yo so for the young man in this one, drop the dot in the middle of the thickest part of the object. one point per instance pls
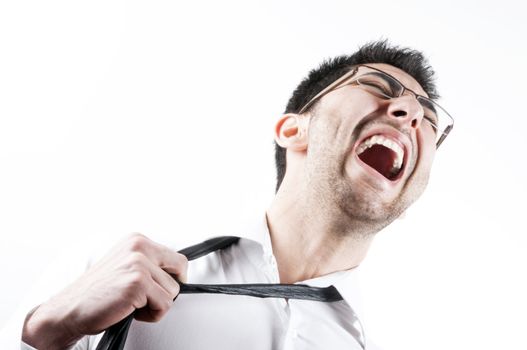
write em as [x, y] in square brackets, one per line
[354, 150]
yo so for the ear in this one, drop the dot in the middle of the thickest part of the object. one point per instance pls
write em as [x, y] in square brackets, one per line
[291, 132]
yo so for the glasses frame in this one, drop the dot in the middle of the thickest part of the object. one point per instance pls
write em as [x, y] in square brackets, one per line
[344, 80]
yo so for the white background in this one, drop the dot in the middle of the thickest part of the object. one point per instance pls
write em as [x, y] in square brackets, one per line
[121, 116]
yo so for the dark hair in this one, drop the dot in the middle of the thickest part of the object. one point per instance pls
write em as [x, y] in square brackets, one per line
[411, 61]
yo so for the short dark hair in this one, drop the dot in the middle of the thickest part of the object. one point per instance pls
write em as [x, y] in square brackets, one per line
[411, 61]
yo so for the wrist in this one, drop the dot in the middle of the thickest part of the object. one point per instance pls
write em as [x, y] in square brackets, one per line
[44, 329]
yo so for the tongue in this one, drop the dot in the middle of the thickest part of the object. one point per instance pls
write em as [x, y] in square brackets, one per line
[381, 159]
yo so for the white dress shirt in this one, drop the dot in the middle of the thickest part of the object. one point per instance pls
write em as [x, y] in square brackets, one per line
[213, 321]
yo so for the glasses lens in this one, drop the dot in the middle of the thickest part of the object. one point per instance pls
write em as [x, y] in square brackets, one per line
[380, 84]
[437, 117]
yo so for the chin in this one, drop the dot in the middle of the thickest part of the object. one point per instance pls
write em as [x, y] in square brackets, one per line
[370, 210]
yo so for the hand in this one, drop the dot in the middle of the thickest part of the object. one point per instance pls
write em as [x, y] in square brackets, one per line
[134, 276]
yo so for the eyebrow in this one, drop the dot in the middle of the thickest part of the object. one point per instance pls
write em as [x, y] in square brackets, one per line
[425, 102]
[394, 84]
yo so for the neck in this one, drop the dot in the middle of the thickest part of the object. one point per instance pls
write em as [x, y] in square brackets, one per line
[309, 241]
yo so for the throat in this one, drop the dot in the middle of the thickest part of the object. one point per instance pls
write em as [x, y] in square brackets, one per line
[309, 242]
[303, 259]
[381, 159]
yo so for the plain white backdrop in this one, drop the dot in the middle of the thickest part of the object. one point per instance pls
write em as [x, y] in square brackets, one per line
[157, 117]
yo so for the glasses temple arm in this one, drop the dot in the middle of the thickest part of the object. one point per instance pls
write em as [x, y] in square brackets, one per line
[328, 89]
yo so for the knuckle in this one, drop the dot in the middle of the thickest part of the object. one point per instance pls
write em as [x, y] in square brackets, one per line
[167, 305]
[158, 314]
[137, 242]
[174, 290]
[137, 261]
[160, 310]
[183, 261]
[135, 295]
[137, 280]
[135, 235]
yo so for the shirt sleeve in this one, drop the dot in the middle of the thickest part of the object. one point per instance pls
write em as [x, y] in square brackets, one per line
[27, 347]
[82, 344]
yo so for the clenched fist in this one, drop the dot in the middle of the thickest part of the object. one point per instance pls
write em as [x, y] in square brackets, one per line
[134, 276]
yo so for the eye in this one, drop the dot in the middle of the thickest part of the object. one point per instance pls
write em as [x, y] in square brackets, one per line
[432, 118]
[432, 122]
[430, 112]
[376, 86]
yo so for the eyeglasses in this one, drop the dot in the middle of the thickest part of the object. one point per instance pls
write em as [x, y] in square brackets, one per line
[385, 86]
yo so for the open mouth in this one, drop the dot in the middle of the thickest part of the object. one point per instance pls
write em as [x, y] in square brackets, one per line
[383, 155]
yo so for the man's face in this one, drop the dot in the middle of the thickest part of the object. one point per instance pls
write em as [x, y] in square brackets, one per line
[368, 156]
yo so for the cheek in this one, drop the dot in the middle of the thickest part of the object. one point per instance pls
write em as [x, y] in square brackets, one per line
[336, 119]
[427, 132]
[425, 159]
[424, 164]
[427, 149]
[349, 103]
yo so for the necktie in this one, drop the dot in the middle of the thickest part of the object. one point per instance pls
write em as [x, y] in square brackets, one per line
[114, 337]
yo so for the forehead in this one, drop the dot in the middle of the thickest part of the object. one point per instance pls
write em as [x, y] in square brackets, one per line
[405, 78]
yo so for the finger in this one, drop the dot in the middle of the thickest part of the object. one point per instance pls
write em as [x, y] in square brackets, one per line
[162, 256]
[163, 279]
[158, 304]
[170, 261]
[175, 264]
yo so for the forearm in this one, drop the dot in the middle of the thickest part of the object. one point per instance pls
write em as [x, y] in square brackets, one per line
[45, 329]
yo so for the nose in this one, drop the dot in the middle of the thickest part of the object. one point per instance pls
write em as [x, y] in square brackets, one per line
[407, 110]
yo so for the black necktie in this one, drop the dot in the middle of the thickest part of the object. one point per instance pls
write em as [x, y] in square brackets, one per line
[114, 337]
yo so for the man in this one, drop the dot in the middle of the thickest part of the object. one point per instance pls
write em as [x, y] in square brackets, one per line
[354, 150]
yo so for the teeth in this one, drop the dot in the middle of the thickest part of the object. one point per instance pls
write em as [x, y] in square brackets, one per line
[381, 140]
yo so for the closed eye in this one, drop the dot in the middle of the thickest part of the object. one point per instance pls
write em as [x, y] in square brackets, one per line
[375, 87]
[432, 122]
[430, 113]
